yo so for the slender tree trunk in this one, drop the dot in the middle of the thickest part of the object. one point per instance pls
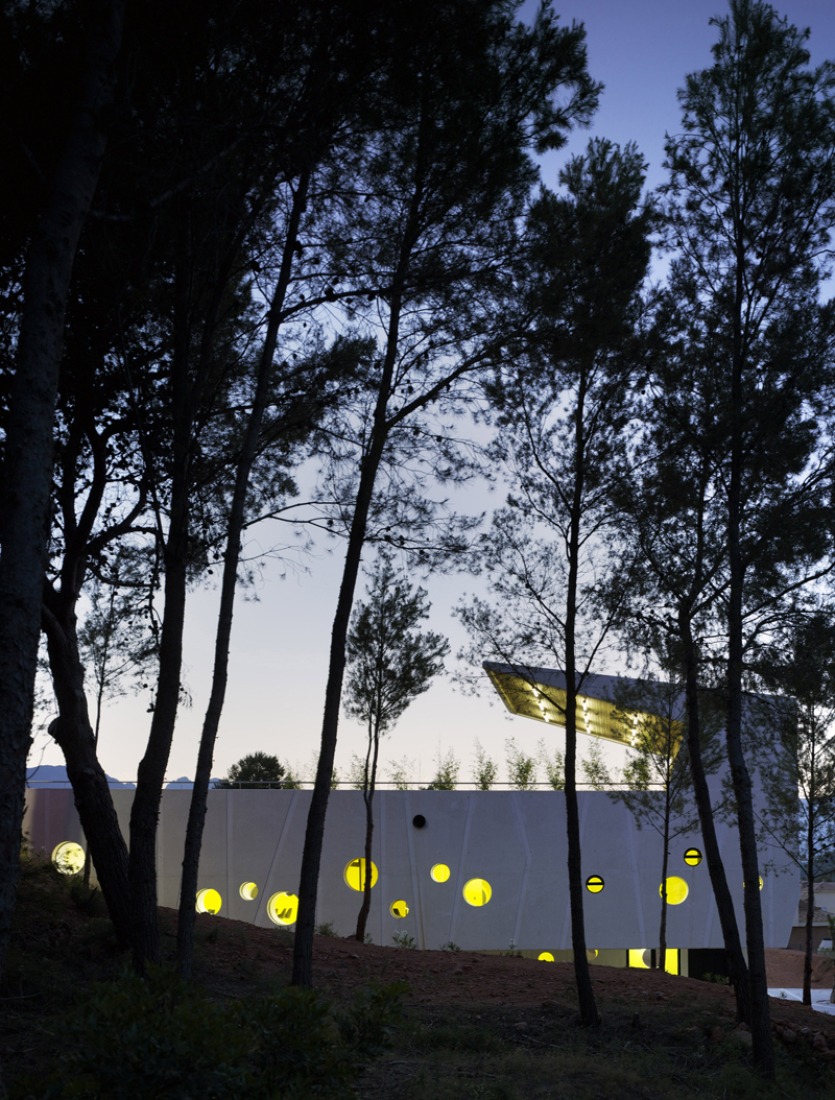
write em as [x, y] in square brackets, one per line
[27, 467]
[589, 1016]
[369, 787]
[737, 968]
[100, 687]
[760, 1017]
[807, 947]
[151, 770]
[231, 558]
[315, 832]
[665, 861]
[810, 878]
[96, 812]
[582, 975]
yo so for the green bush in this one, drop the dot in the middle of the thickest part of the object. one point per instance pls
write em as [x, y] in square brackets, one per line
[160, 1037]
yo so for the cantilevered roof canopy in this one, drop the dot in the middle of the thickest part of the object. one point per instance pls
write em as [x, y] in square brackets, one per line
[539, 693]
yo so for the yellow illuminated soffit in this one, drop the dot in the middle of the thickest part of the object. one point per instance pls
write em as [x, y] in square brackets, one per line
[594, 717]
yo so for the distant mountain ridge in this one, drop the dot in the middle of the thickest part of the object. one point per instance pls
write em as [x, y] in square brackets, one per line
[54, 777]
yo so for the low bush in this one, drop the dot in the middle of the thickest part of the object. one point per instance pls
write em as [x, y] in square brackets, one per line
[160, 1037]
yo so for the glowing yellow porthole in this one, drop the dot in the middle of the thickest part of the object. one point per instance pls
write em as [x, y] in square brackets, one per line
[761, 883]
[477, 892]
[592, 954]
[677, 890]
[68, 857]
[208, 901]
[354, 875]
[283, 908]
[249, 891]
[640, 958]
[594, 884]
[399, 909]
[545, 957]
[440, 873]
[692, 857]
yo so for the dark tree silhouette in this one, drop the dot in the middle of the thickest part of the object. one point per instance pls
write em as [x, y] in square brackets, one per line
[257, 770]
[562, 408]
[390, 662]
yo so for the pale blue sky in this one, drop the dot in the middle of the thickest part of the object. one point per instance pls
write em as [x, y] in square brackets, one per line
[641, 50]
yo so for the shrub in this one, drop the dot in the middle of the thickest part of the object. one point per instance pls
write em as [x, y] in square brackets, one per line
[162, 1037]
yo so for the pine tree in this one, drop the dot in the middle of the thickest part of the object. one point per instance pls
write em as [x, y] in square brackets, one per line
[562, 408]
[750, 205]
[390, 662]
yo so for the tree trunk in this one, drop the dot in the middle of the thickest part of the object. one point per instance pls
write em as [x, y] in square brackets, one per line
[315, 832]
[807, 947]
[812, 789]
[27, 469]
[74, 736]
[760, 1020]
[368, 799]
[737, 968]
[665, 860]
[589, 1016]
[151, 770]
[585, 993]
[231, 558]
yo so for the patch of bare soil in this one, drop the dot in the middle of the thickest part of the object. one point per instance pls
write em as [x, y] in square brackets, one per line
[343, 965]
[480, 983]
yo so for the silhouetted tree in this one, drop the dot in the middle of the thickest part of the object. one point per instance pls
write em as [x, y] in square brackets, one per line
[433, 205]
[56, 194]
[799, 778]
[750, 206]
[390, 662]
[258, 770]
[657, 785]
[562, 409]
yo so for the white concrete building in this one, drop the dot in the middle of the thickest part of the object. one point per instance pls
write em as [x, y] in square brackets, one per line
[484, 870]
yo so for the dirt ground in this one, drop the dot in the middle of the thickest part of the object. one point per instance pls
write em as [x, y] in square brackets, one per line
[464, 977]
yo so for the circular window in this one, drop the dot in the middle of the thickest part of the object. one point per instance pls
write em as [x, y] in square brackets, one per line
[208, 901]
[399, 909]
[545, 957]
[354, 875]
[692, 857]
[677, 890]
[440, 873]
[68, 857]
[283, 908]
[594, 884]
[419, 821]
[477, 892]
[249, 891]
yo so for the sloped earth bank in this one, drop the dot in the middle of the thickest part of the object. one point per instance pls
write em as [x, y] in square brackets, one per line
[493, 1027]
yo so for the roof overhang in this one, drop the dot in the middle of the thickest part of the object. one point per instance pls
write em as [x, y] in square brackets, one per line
[601, 711]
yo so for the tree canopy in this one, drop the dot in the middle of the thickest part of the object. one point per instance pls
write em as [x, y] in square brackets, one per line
[258, 770]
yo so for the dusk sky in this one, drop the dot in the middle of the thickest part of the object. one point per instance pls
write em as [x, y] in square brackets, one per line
[641, 50]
